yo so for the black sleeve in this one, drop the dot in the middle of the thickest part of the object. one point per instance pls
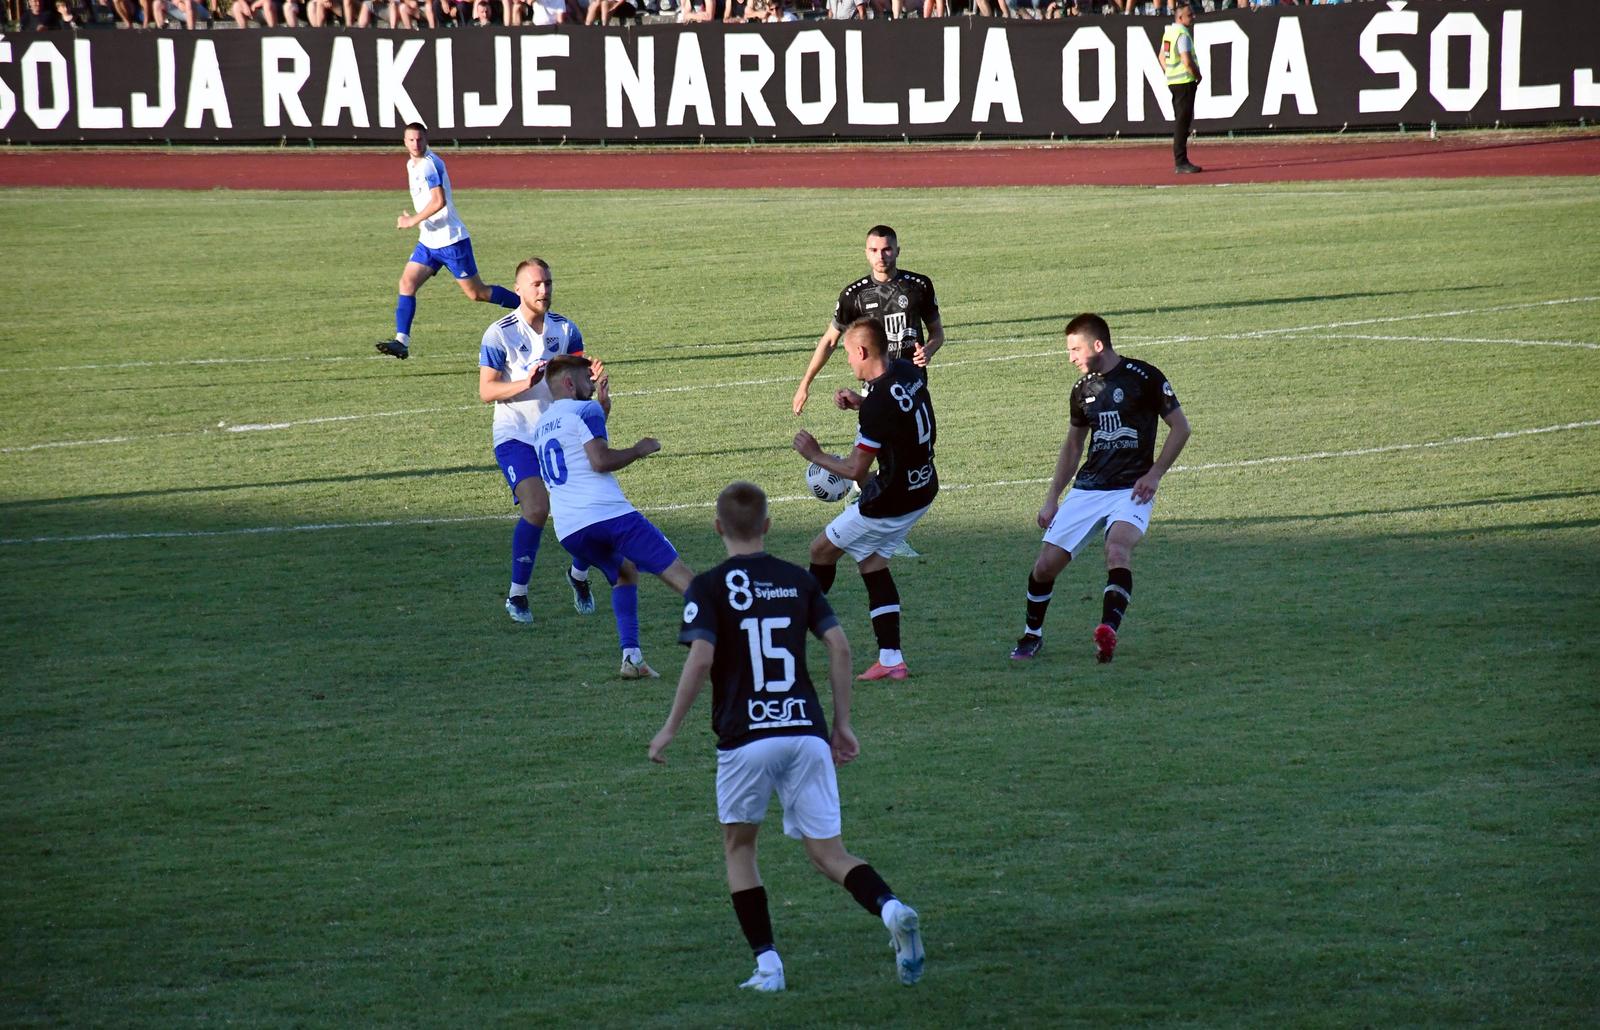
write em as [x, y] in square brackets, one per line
[1077, 415]
[844, 310]
[1166, 401]
[699, 615]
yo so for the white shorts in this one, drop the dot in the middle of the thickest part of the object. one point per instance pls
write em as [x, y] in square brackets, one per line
[799, 769]
[861, 537]
[1083, 508]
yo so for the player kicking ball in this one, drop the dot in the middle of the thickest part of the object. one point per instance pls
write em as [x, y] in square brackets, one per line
[594, 521]
[1114, 406]
[745, 623]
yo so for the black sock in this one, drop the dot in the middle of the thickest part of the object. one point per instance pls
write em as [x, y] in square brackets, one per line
[824, 574]
[1119, 591]
[868, 888]
[883, 604]
[1039, 595]
[751, 908]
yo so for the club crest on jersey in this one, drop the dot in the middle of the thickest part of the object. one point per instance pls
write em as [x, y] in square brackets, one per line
[904, 301]
[1116, 396]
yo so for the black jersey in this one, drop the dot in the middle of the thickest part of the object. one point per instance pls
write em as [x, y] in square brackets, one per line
[905, 306]
[897, 424]
[756, 610]
[1121, 408]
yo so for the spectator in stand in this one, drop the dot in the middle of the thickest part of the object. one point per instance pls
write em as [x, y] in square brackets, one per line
[482, 13]
[322, 12]
[246, 11]
[933, 8]
[39, 16]
[551, 12]
[697, 10]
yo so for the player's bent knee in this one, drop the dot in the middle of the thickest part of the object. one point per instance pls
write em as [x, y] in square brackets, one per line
[628, 575]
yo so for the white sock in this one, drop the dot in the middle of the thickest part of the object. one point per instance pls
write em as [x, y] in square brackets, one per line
[581, 577]
[518, 590]
[403, 337]
[890, 907]
[888, 658]
[769, 962]
[633, 654]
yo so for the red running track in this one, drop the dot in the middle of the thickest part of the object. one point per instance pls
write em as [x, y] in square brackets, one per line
[903, 165]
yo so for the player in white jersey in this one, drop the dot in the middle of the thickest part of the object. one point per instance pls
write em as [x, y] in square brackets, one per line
[511, 364]
[594, 521]
[442, 241]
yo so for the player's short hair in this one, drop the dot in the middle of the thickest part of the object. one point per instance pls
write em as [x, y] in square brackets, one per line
[742, 510]
[874, 330]
[541, 262]
[1092, 326]
[563, 363]
[884, 231]
[1180, 5]
[417, 126]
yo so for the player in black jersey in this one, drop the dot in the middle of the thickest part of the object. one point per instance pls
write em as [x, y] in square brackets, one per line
[1115, 407]
[899, 301]
[745, 623]
[898, 431]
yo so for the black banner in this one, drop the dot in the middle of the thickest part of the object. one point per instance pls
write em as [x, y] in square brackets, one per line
[1455, 62]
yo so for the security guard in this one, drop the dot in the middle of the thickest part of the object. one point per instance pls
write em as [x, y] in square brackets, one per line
[1183, 79]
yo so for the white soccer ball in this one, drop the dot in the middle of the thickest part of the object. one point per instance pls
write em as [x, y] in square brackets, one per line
[824, 485]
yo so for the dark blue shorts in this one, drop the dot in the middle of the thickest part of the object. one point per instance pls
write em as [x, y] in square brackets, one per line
[457, 257]
[517, 461]
[631, 537]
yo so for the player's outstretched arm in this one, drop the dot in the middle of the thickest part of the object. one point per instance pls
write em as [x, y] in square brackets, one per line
[695, 670]
[854, 467]
[844, 743]
[819, 357]
[1066, 468]
[1177, 422]
[607, 459]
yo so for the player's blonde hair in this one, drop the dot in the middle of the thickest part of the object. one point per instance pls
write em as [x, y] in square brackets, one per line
[742, 510]
[541, 262]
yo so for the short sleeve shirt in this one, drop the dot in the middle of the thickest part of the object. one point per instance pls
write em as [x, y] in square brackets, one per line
[756, 611]
[579, 496]
[1120, 408]
[444, 227]
[897, 425]
[905, 306]
[512, 348]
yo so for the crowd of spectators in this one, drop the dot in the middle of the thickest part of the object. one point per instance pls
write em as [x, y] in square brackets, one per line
[41, 15]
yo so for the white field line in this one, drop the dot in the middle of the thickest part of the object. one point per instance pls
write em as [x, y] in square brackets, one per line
[182, 362]
[1282, 459]
[1580, 344]
[1299, 332]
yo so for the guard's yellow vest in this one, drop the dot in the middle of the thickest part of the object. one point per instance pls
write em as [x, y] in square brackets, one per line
[1177, 72]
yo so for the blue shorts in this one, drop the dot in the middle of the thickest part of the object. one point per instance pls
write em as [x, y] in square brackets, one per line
[457, 257]
[518, 461]
[631, 537]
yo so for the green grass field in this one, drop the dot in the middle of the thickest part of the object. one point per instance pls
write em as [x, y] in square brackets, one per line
[272, 754]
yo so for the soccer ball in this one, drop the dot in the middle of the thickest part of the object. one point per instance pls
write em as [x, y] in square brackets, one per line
[824, 485]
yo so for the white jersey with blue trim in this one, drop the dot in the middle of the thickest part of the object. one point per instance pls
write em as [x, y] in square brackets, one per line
[444, 227]
[512, 347]
[579, 496]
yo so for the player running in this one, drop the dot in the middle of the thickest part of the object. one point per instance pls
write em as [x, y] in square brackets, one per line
[897, 430]
[511, 363]
[594, 521]
[441, 241]
[1114, 406]
[745, 624]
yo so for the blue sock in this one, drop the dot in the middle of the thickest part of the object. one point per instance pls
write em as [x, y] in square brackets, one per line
[405, 309]
[524, 549]
[503, 297]
[625, 606]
